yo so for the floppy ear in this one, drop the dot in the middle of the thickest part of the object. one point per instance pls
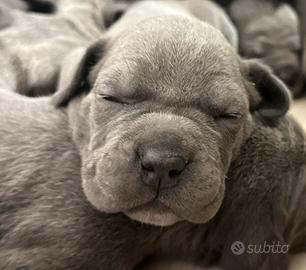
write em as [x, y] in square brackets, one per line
[269, 96]
[74, 75]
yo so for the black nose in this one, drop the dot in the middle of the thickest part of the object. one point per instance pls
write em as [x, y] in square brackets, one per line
[161, 168]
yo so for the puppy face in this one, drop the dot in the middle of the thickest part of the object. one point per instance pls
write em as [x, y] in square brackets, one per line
[276, 40]
[166, 110]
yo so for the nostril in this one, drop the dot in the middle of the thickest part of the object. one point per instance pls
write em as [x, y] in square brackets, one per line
[174, 173]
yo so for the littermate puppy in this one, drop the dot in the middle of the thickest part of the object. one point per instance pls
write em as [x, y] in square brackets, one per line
[38, 43]
[271, 34]
[163, 144]
[34, 46]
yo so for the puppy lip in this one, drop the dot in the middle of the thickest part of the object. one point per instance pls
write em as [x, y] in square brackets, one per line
[218, 197]
[158, 212]
[163, 199]
[160, 207]
[154, 213]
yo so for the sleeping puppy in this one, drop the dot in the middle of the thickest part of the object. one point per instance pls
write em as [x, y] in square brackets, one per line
[163, 144]
[271, 34]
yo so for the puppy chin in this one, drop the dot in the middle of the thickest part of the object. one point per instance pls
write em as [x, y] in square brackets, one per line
[154, 213]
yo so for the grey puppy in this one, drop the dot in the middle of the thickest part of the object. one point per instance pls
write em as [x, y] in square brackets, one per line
[161, 124]
[272, 34]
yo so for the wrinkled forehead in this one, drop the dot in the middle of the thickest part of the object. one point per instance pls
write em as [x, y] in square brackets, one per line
[171, 58]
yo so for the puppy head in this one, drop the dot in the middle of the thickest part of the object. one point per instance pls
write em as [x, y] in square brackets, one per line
[161, 112]
[275, 39]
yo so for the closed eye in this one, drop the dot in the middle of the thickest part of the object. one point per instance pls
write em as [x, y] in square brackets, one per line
[232, 115]
[112, 99]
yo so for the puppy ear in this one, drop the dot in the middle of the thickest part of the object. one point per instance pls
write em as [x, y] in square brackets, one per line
[74, 77]
[269, 96]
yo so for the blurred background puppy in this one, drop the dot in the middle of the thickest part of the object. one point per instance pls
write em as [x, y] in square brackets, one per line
[272, 34]
[33, 45]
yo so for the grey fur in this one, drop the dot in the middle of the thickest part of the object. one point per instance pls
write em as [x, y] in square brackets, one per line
[38, 43]
[16, 4]
[213, 14]
[33, 63]
[183, 84]
[204, 10]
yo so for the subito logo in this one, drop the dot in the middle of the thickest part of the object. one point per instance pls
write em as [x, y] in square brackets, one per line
[238, 248]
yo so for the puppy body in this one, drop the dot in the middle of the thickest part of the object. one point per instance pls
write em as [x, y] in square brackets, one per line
[47, 223]
[73, 189]
[40, 49]
[39, 43]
